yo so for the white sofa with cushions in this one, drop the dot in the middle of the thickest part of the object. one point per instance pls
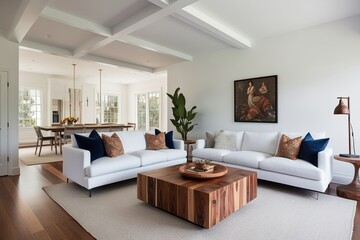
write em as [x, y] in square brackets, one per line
[78, 167]
[256, 151]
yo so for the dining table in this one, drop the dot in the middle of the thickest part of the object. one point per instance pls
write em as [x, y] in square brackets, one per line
[58, 130]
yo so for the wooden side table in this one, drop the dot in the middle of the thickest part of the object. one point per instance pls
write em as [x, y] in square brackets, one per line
[188, 149]
[351, 191]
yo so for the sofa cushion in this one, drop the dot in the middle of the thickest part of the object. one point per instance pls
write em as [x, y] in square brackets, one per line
[260, 142]
[132, 140]
[288, 147]
[245, 158]
[210, 153]
[298, 168]
[173, 154]
[106, 165]
[168, 138]
[149, 157]
[113, 145]
[94, 144]
[310, 148]
[155, 142]
[225, 141]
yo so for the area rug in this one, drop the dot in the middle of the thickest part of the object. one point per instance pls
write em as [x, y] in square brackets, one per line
[279, 213]
[28, 157]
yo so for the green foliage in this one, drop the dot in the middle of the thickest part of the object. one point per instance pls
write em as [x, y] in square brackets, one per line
[182, 118]
[26, 115]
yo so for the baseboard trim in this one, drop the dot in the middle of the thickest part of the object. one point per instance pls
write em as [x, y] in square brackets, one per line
[341, 179]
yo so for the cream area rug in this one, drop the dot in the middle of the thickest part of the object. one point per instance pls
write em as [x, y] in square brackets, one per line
[278, 213]
[27, 155]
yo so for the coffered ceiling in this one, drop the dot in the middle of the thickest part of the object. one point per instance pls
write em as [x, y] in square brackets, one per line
[133, 40]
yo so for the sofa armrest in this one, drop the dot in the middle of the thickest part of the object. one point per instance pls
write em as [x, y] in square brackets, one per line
[325, 162]
[200, 143]
[74, 163]
[179, 144]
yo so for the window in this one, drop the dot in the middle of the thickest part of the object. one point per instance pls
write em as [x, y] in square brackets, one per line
[111, 109]
[148, 110]
[29, 107]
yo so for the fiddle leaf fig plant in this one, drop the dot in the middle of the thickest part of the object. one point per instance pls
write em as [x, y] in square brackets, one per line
[182, 118]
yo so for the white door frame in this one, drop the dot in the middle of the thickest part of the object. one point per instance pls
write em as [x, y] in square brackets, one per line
[4, 123]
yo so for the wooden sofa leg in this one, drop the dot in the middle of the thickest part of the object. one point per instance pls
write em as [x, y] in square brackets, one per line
[67, 180]
[89, 193]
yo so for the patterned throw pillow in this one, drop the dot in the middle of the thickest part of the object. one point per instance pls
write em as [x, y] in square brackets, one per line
[155, 142]
[288, 147]
[113, 145]
[168, 138]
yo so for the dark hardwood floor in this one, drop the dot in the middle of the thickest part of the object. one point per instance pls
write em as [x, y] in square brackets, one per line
[26, 212]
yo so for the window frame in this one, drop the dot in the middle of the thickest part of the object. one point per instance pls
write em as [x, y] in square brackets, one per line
[147, 109]
[39, 120]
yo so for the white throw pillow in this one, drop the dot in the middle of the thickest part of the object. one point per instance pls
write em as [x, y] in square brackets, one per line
[226, 141]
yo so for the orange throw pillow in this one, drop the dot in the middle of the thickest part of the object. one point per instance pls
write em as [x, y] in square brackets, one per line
[155, 142]
[113, 145]
[288, 147]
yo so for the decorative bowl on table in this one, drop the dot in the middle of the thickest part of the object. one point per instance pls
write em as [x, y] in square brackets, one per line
[202, 172]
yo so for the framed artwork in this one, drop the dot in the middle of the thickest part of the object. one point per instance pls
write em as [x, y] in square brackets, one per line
[255, 100]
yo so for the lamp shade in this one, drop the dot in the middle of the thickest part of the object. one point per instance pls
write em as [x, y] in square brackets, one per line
[341, 108]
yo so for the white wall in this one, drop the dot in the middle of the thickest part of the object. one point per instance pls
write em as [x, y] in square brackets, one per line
[313, 65]
[9, 61]
[157, 84]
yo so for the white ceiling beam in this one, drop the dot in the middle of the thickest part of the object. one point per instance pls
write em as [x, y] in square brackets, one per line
[155, 47]
[75, 21]
[138, 21]
[28, 12]
[117, 63]
[80, 23]
[43, 48]
[197, 19]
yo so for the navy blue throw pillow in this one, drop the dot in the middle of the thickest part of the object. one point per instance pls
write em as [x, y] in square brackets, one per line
[93, 143]
[310, 148]
[168, 138]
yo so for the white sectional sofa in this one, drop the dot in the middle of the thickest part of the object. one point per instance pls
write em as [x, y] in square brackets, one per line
[255, 151]
[105, 170]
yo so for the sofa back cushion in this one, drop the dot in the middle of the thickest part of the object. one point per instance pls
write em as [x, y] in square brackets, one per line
[265, 142]
[229, 140]
[132, 140]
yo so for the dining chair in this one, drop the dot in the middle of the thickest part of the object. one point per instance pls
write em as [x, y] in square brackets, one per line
[41, 139]
[68, 131]
[132, 124]
[117, 127]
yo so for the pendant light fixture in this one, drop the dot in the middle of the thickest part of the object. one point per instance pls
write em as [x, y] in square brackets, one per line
[100, 101]
[74, 92]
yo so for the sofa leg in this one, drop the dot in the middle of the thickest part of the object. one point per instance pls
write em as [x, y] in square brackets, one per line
[89, 193]
[67, 180]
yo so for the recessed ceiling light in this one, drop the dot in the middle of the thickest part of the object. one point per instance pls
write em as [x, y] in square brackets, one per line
[48, 36]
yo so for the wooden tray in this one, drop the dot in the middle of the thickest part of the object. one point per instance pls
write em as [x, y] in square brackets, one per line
[219, 170]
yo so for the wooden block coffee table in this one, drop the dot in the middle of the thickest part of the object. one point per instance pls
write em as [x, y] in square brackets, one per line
[201, 201]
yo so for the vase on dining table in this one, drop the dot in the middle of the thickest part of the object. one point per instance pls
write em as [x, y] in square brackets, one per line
[70, 123]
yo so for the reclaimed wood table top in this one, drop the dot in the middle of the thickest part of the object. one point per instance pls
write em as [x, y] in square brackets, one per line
[204, 202]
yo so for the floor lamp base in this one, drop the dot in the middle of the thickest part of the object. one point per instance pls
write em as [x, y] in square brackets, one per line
[349, 155]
